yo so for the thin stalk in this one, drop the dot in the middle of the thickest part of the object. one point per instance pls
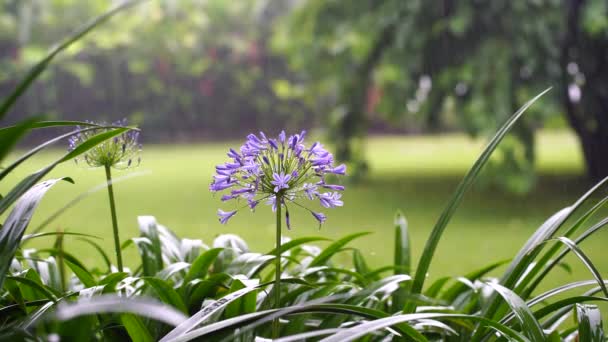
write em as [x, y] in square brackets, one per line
[60, 263]
[277, 262]
[114, 220]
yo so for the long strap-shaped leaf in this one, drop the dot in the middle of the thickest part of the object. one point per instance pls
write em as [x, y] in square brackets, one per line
[529, 324]
[37, 69]
[205, 313]
[444, 219]
[110, 303]
[17, 221]
[351, 334]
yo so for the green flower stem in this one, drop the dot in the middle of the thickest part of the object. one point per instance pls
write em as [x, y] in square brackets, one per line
[114, 220]
[277, 277]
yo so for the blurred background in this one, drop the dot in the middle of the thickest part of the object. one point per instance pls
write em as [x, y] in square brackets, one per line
[406, 92]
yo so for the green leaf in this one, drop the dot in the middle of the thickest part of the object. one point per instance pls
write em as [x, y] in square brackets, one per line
[251, 321]
[41, 288]
[33, 318]
[433, 241]
[334, 248]
[149, 245]
[18, 220]
[206, 313]
[37, 235]
[351, 334]
[402, 260]
[110, 281]
[172, 269]
[402, 245]
[451, 293]
[586, 261]
[245, 304]
[113, 304]
[550, 264]
[9, 138]
[564, 303]
[249, 264]
[530, 325]
[37, 69]
[98, 248]
[361, 266]
[207, 288]
[166, 293]
[83, 275]
[201, 265]
[136, 328]
[589, 323]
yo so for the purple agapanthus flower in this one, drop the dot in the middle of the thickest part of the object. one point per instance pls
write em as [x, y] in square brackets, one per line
[225, 215]
[121, 152]
[281, 169]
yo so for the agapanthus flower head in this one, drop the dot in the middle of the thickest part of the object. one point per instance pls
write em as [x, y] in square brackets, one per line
[120, 152]
[282, 169]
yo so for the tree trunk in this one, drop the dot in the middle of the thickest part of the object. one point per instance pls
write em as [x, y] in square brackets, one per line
[588, 115]
[354, 94]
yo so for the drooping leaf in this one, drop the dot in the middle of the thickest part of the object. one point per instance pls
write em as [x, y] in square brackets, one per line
[529, 323]
[18, 220]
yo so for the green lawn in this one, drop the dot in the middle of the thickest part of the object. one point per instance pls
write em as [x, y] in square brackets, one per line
[415, 174]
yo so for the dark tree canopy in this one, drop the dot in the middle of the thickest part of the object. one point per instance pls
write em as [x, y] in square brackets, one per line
[433, 63]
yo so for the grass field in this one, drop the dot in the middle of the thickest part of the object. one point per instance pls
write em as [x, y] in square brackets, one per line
[414, 174]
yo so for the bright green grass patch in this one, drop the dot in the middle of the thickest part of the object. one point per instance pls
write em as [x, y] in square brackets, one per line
[415, 174]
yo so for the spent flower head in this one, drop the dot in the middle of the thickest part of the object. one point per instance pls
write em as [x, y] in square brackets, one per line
[281, 169]
[121, 152]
